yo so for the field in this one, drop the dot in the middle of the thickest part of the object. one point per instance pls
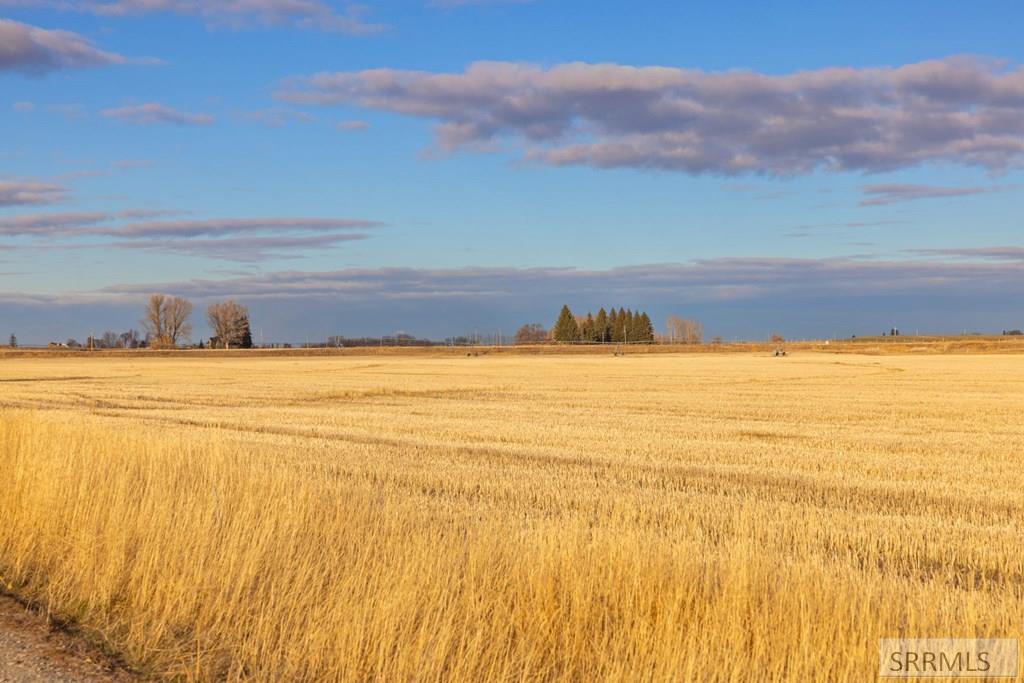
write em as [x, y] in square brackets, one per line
[581, 517]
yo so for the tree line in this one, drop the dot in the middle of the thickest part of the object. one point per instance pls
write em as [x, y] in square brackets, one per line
[166, 321]
[616, 325]
[622, 325]
[167, 324]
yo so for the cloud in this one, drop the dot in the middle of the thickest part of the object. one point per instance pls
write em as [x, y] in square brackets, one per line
[111, 225]
[135, 214]
[352, 125]
[24, 106]
[49, 225]
[70, 111]
[126, 164]
[709, 280]
[237, 226]
[232, 239]
[985, 253]
[342, 17]
[449, 4]
[243, 249]
[746, 297]
[24, 192]
[891, 193]
[959, 110]
[850, 224]
[152, 112]
[37, 50]
[275, 117]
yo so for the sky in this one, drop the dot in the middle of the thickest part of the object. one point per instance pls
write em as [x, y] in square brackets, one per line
[440, 167]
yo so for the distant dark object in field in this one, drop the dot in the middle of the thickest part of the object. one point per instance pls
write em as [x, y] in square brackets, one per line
[780, 352]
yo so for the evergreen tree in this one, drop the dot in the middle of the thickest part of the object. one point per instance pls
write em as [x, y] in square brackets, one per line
[566, 329]
[587, 331]
[246, 342]
[14, 342]
[626, 325]
[646, 328]
[601, 326]
[614, 327]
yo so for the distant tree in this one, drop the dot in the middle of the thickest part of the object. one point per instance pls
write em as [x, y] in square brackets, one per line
[166, 320]
[230, 324]
[716, 340]
[565, 328]
[588, 332]
[247, 335]
[673, 328]
[153, 320]
[13, 342]
[614, 331]
[776, 338]
[684, 330]
[601, 331]
[531, 333]
[109, 340]
[128, 340]
[72, 343]
[176, 321]
[645, 329]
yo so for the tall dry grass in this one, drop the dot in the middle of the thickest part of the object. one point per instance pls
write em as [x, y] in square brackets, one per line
[722, 519]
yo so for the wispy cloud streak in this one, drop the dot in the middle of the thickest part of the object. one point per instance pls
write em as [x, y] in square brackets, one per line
[892, 193]
[724, 279]
[341, 17]
[154, 112]
[27, 192]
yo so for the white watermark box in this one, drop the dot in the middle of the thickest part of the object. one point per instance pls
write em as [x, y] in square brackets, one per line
[948, 658]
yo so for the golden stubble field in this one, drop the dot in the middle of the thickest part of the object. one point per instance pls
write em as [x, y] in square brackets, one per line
[586, 518]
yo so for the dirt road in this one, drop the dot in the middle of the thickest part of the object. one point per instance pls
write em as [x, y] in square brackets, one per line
[32, 652]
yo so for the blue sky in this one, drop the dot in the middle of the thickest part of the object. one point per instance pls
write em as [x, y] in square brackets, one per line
[449, 166]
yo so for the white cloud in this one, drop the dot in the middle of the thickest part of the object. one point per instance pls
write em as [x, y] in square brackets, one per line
[960, 110]
[31, 49]
[153, 112]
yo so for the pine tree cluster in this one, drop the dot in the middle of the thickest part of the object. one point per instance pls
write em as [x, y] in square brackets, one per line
[622, 325]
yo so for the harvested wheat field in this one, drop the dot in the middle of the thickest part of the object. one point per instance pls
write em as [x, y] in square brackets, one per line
[578, 518]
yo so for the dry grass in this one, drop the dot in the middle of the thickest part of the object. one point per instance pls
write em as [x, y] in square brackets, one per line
[705, 517]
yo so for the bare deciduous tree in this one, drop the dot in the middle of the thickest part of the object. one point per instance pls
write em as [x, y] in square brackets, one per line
[128, 340]
[229, 322]
[166, 319]
[683, 330]
[153, 319]
[531, 333]
[177, 326]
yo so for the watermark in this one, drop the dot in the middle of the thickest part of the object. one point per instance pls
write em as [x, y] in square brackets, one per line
[948, 657]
